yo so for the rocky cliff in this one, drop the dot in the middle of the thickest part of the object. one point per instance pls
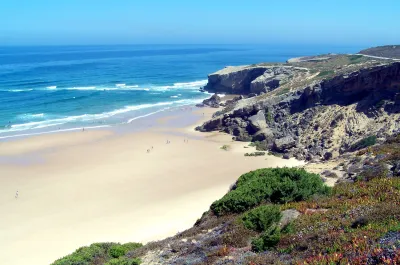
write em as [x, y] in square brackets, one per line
[251, 79]
[319, 120]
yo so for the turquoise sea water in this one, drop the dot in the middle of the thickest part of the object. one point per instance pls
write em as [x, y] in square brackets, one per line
[50, 88]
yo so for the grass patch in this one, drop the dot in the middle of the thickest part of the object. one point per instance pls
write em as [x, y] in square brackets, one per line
[326, 73]
[270, 185]
[354, 59]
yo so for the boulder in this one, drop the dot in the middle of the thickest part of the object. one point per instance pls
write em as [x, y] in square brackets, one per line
[213, 102]
[328, 155]
[288, 216]
[284, 143]
[257, 122]
[211, 125]
[264, 134]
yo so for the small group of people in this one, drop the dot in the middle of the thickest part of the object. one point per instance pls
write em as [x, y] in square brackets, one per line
[148, 150]
[185, 140]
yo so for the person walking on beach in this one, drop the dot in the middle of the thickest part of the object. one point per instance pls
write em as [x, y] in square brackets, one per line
[16, 195]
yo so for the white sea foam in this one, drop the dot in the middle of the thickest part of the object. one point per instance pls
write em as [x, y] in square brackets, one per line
[146, 115]
[83, 88]
[99, 88]
[89, 117]
[16, 90]
[29, 116]
[187, 85]
[54, 131]
[174, 96]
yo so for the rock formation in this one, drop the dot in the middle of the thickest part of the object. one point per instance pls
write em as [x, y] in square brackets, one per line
[320, 120]
[250, 79]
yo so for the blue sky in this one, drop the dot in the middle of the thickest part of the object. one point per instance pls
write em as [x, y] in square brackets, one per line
[338, 22]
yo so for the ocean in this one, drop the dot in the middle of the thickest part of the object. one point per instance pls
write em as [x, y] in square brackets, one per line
[57, 88]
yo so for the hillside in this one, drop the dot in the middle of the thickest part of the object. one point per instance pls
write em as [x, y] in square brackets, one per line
[340, 113]
[389, 51]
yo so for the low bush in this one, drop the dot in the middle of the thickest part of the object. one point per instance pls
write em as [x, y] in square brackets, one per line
[261, 218]
[124, 261]
[267, 240]
[270, 185]
[366, 142]
[105, 252]
[117, 251]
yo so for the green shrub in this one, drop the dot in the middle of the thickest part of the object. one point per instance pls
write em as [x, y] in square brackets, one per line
[84, 255]
[98, 251]
[271, 185]
[132, 246]
[366, 142]
[267, 240]
[288, 229]
[117, 251]
[124, 261]
[261, 218]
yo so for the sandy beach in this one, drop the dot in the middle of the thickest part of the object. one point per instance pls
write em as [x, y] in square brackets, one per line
[77, 188]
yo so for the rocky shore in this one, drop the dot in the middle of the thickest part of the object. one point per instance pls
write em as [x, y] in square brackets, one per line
[311, 112]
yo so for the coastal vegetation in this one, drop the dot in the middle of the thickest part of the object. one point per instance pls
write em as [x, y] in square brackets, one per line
[101, 253]
[269, 185]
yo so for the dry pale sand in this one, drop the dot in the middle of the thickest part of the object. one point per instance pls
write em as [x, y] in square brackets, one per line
[77, 188]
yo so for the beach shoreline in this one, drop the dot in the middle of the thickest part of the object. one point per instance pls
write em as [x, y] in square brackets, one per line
[136, 183]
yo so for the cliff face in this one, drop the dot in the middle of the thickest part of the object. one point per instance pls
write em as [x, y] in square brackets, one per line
[250, 79]
[322, 119]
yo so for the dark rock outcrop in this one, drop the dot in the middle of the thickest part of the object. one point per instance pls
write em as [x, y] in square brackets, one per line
[249, 79]
[213, 102]
[322, 119]
[284, 143]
